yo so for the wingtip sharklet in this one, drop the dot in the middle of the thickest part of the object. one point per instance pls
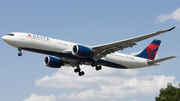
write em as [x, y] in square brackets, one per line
[171, 28]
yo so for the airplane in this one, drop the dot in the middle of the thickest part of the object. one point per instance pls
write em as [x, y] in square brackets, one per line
[62, 53]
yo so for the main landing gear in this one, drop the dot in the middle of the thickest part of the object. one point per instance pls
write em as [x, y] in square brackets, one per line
[98, 67]
[78, 70]
[81, 73]
[20, 53]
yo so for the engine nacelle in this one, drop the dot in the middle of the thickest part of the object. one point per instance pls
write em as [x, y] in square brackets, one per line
[82, 51]
[53, 62]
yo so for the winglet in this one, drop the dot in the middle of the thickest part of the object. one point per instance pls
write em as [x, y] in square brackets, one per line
[171, 28]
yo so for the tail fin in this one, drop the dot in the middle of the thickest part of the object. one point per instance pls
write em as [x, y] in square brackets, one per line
[150, 51]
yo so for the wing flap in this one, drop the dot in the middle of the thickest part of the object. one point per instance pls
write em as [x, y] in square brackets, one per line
[113, 49]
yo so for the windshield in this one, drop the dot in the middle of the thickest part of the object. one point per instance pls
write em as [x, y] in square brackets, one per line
[11, 34]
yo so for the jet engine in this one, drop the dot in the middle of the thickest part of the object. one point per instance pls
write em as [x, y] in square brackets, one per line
[82, 51]
[53, 62]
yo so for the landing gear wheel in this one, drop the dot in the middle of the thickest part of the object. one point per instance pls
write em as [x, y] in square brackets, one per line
[93, 64]
[19, 54]
[81, 73]
[77, 70]
[98, 67]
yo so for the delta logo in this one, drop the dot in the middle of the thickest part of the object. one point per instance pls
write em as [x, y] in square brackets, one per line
[38, 37]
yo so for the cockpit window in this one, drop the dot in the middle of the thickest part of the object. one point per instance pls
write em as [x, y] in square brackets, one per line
[11, 34]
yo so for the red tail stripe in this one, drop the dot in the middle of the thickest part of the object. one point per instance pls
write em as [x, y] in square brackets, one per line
[149, 52]
[153, 46]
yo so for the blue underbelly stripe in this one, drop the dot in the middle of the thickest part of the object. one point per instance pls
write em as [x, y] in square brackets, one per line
[72, 57]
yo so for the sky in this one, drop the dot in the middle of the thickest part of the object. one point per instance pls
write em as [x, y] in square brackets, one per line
[88, 22]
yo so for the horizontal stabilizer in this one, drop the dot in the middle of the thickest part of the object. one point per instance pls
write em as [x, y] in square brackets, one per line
[160, 60]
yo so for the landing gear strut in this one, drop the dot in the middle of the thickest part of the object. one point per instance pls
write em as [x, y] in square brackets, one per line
[78, 70]
[20, 53]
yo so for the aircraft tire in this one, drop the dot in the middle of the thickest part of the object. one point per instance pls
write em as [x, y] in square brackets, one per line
[98, 67]
[81, 73]
[19, 54]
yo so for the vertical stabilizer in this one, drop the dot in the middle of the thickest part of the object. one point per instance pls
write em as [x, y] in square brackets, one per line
[150, 51]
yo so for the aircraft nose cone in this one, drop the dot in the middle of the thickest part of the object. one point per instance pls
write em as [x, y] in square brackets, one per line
[4, 38]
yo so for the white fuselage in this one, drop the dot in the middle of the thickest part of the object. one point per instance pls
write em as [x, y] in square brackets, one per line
[32, 41]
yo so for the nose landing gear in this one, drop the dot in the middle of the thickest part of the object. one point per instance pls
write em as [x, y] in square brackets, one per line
[20, 53]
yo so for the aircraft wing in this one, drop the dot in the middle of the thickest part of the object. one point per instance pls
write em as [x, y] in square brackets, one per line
[103, 50]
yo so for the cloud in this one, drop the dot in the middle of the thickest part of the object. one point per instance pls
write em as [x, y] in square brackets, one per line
[174, 15]
[107, 84]
[34, 97]
[145, 86]
[136, 53]
[116, 87]
[65, 77]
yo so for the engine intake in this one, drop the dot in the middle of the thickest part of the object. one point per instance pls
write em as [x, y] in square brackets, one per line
[82, 51]
[53, 62]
